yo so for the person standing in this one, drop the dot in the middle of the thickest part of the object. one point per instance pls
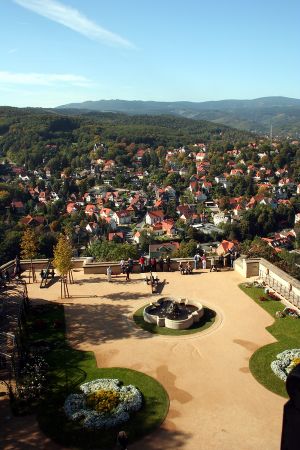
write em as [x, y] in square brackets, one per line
[181, 268]
[161, 264]
[17, 268]
[122, 440]
[142, 263]
[108, 272]
[221, 261]
[168, 262]
[203, 259]
[127, 271]
[154, 264]
[212, 264]
[231, 260]
[196, 260]
[122, 265]
[130, 264]
[151, 264]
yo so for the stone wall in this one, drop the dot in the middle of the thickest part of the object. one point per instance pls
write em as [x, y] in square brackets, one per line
[89, 266]
[278, 280]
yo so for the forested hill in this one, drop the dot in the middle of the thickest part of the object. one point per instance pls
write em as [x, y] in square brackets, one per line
[253, 115]
[25, 132]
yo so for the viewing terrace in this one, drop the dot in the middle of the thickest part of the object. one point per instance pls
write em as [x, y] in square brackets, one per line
[215, 402]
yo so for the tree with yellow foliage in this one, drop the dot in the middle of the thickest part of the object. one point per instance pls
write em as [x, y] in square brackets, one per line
[62, 261]
[29, 247]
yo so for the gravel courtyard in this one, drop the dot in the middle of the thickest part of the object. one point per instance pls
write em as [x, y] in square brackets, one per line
[215, 403]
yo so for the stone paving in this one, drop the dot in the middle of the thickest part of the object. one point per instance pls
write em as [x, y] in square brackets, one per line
[215, 403]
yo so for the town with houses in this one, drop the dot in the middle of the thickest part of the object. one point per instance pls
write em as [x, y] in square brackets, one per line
[162, 197]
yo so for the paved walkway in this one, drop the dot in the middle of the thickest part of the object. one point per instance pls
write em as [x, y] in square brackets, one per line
[215, 403]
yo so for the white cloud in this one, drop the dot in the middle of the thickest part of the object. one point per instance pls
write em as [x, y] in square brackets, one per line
[72, 18]
[43, 79]
[12, 50]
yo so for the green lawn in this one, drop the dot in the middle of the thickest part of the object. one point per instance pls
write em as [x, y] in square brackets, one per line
[205, 322]
[68, 369]
[287, 333]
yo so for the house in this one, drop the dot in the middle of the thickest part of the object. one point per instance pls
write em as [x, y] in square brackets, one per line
[200, 196]
[87, 197]
[183, 209]
[157, 229]
[32, 220]
[170, 191]
[72, 207]
[261, 200]
[200, 156]
[162, 249]
[238, 211]
[91, 209]
[280, 241]
[106, 212]
[136, 237]
[110, 222]
[221, 217]
[116, 236]
[236, 172]
[122, 217]
[194, 186]
[153, 217]
[287, 182]
[225, 247]
[168, 227]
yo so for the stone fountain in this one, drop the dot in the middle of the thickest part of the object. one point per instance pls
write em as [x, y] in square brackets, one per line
[178, 314]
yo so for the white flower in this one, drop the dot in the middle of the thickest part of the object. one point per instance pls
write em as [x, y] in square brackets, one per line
[282, 365]
[130, 399]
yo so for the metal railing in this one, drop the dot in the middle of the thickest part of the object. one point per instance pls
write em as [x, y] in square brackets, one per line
[280, 289]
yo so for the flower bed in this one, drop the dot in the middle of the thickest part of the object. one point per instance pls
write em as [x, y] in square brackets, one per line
[104, 403]
[285, 363]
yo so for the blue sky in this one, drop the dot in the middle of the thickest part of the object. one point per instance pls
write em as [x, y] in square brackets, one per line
[60, 51]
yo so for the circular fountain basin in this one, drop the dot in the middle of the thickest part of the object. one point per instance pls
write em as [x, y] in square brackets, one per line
[178, 314]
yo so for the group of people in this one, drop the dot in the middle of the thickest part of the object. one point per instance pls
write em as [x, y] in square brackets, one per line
[185, 269]
[197, 259]
[126, 269]
[223, 261]
[47, 273]
[153, 263]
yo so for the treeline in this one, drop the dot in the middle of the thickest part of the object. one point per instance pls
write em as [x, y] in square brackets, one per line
[34, 137]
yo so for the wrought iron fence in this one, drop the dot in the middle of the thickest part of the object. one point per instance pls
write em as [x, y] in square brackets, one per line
[281, 289]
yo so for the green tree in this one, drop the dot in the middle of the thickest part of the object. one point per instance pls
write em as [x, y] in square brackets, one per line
[111, 251]
[186, 249]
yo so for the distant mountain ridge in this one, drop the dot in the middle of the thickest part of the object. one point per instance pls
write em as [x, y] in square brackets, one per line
[252, 115]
